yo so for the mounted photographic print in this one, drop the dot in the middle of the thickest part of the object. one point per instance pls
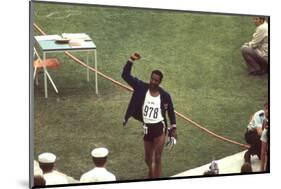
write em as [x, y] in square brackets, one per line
[127, 94]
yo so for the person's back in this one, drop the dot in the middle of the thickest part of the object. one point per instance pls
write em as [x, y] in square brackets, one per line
[55, 177]
[47, 164]
[98, 174]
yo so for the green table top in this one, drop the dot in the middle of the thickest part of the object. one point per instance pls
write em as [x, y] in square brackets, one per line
[49, 44]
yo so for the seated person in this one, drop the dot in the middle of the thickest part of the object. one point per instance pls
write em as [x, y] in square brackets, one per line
[255, 52]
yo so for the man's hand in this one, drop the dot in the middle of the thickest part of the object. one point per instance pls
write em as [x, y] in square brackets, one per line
[124, 123]
[172, 138]
[135, 56]
[171, 142]
[246, 44]
[172, 132]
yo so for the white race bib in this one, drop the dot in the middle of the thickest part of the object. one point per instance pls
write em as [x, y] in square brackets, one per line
[151, 110]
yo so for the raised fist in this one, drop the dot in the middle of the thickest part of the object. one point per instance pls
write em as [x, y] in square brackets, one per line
[135, 56]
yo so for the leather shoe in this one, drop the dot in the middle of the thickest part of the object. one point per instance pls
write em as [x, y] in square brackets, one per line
[257, 73]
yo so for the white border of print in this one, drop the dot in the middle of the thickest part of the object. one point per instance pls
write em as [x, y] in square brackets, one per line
[15, 91]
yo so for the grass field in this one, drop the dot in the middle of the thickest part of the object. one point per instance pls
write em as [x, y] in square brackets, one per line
[204, 72]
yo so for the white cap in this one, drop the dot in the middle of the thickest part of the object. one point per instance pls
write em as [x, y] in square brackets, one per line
[47, 158]
[99, 152]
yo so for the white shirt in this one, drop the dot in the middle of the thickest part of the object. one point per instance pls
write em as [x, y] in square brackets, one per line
[55, 177]
[257, 120]
[98, 174]
[260, 40]
[151, 110]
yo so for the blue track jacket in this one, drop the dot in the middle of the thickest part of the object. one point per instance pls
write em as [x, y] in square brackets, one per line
[140, 88]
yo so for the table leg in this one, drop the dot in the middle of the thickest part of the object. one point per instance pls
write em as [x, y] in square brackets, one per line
[52, 82]
[45, 76]
[35, 77]
[96, 74]
[88, 77]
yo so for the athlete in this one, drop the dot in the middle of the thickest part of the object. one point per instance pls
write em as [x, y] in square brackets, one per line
[149, 104]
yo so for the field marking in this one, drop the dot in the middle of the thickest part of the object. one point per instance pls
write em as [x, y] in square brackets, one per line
[59, 15]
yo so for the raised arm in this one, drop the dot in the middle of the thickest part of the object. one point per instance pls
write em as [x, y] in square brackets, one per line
[126, 74]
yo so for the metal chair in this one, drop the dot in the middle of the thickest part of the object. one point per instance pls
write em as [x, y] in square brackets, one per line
[39, 64]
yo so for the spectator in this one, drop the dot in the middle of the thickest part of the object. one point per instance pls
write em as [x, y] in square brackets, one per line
[213, 169]
[255, 52]
[264, 146]
[253, 133]
[209, 173]
[47, 164]
[99, 173]
[246, 168]
[38, 178]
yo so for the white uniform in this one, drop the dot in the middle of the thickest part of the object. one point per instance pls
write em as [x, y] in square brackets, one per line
[98, 174]
[55, 177]
[257, 120]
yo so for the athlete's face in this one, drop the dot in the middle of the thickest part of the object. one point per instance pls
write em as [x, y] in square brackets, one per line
[154, 81]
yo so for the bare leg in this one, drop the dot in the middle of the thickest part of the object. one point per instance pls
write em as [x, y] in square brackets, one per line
[148, 153]
[158, 146]
[263, 156]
